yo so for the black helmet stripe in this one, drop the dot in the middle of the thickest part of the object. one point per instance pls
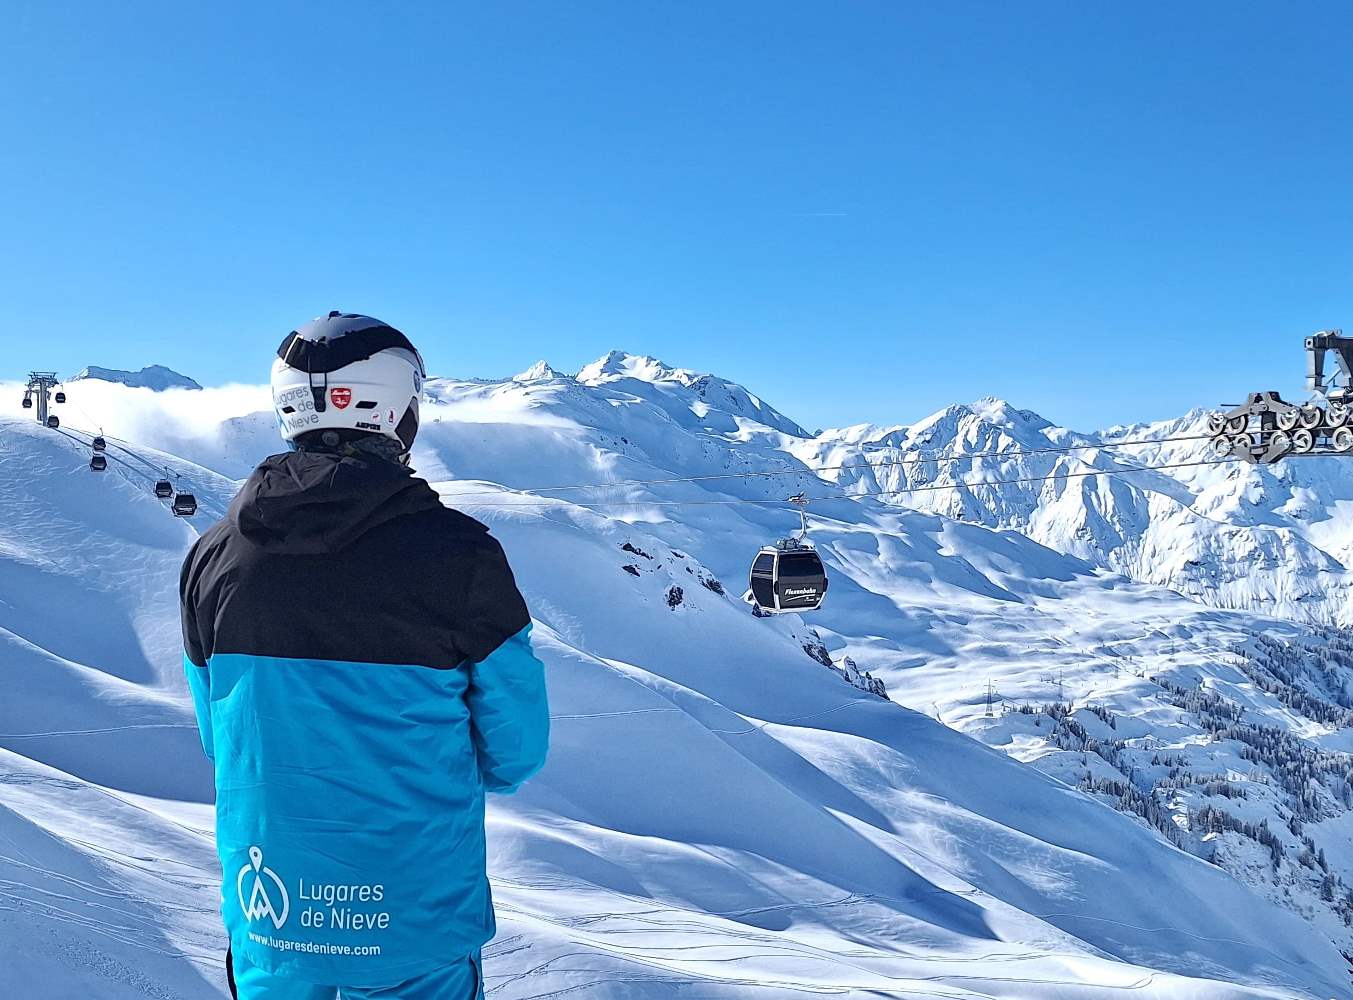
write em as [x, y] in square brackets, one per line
[317, 356]
[407, 429]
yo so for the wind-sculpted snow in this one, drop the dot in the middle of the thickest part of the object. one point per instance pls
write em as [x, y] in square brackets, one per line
[103, 894]
[721, 814]
[89, 646]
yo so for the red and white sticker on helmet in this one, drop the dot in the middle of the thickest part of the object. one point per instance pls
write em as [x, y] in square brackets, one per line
[340, 397]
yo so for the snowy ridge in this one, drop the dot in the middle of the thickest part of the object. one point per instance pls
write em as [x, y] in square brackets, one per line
[1231, 535]
[154, 377]
[726, 405]
[722, 815]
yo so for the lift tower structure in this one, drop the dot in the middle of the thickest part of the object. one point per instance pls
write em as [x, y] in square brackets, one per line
[40, 386]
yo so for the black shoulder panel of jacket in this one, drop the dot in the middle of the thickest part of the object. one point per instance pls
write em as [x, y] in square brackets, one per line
[194, 643]
[429, 588]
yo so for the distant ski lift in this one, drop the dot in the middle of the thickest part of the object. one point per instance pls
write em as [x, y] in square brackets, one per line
[53, 421]
[185, 505]
[789, 575]
[164, 489]
[100, 444]
[60, 396]
[97, 462]
[27, 402]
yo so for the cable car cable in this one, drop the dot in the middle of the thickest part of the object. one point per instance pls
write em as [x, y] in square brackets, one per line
[101, 436]
[122, 445]
[184, 503]
[928, 488]
[813, 470]
[66, 431]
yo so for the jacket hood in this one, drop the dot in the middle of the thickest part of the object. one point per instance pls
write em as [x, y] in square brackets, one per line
[309, 502]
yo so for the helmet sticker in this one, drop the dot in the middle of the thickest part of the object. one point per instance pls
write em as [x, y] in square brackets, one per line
[389, 416]
[340, 397]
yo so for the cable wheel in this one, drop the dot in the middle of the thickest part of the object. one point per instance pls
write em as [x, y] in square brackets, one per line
[1242, 444]
[1336, 415]
[1237, 425]
[1303, 441]
[1311, 417]
[1280, 440]
[1288, 419]
[1221, 446]
[1216, 423]
[1342, 439]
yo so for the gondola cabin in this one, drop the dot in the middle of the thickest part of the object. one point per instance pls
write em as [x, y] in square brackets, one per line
[60, 397]
[164, 489]
[788, 577]
[100, 444]
[97, 463]
[27, 403]
[185, 505]
[53, 421]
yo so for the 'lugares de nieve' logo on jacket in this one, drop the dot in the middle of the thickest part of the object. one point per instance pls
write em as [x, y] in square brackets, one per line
[268, 896]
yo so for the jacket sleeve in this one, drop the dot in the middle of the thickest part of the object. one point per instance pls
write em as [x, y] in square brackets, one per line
[509, 712]
[195, 657]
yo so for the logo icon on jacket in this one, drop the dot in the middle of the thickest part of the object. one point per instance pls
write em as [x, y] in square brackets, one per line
[261, 902]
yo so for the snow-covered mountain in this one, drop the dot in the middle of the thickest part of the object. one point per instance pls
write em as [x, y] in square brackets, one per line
[154, 377]
[722, 814]
[721, 405]
[1277, 540]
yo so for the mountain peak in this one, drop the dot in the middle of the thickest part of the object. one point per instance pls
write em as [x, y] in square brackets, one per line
[622, 364]
[703, 394]
[154, 377]
[539, 371]
[997, 411]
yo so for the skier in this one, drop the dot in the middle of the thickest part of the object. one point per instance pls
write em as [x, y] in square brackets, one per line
[360, 664]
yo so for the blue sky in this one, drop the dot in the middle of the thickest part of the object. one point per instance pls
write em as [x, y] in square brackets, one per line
[862, 211]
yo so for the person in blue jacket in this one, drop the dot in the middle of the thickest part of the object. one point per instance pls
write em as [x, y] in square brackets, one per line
[360, 661]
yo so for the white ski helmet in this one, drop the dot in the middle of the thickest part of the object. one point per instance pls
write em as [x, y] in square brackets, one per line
[348, 373]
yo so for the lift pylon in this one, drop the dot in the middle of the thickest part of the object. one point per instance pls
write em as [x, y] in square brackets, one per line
[39, 389]
[1266, 428]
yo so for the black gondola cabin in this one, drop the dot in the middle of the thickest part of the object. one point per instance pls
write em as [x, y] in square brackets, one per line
[788, 577]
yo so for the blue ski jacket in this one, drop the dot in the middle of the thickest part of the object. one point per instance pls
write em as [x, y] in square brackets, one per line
[360, 662]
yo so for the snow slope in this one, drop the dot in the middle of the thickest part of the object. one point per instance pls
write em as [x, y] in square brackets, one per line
[721, 814]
